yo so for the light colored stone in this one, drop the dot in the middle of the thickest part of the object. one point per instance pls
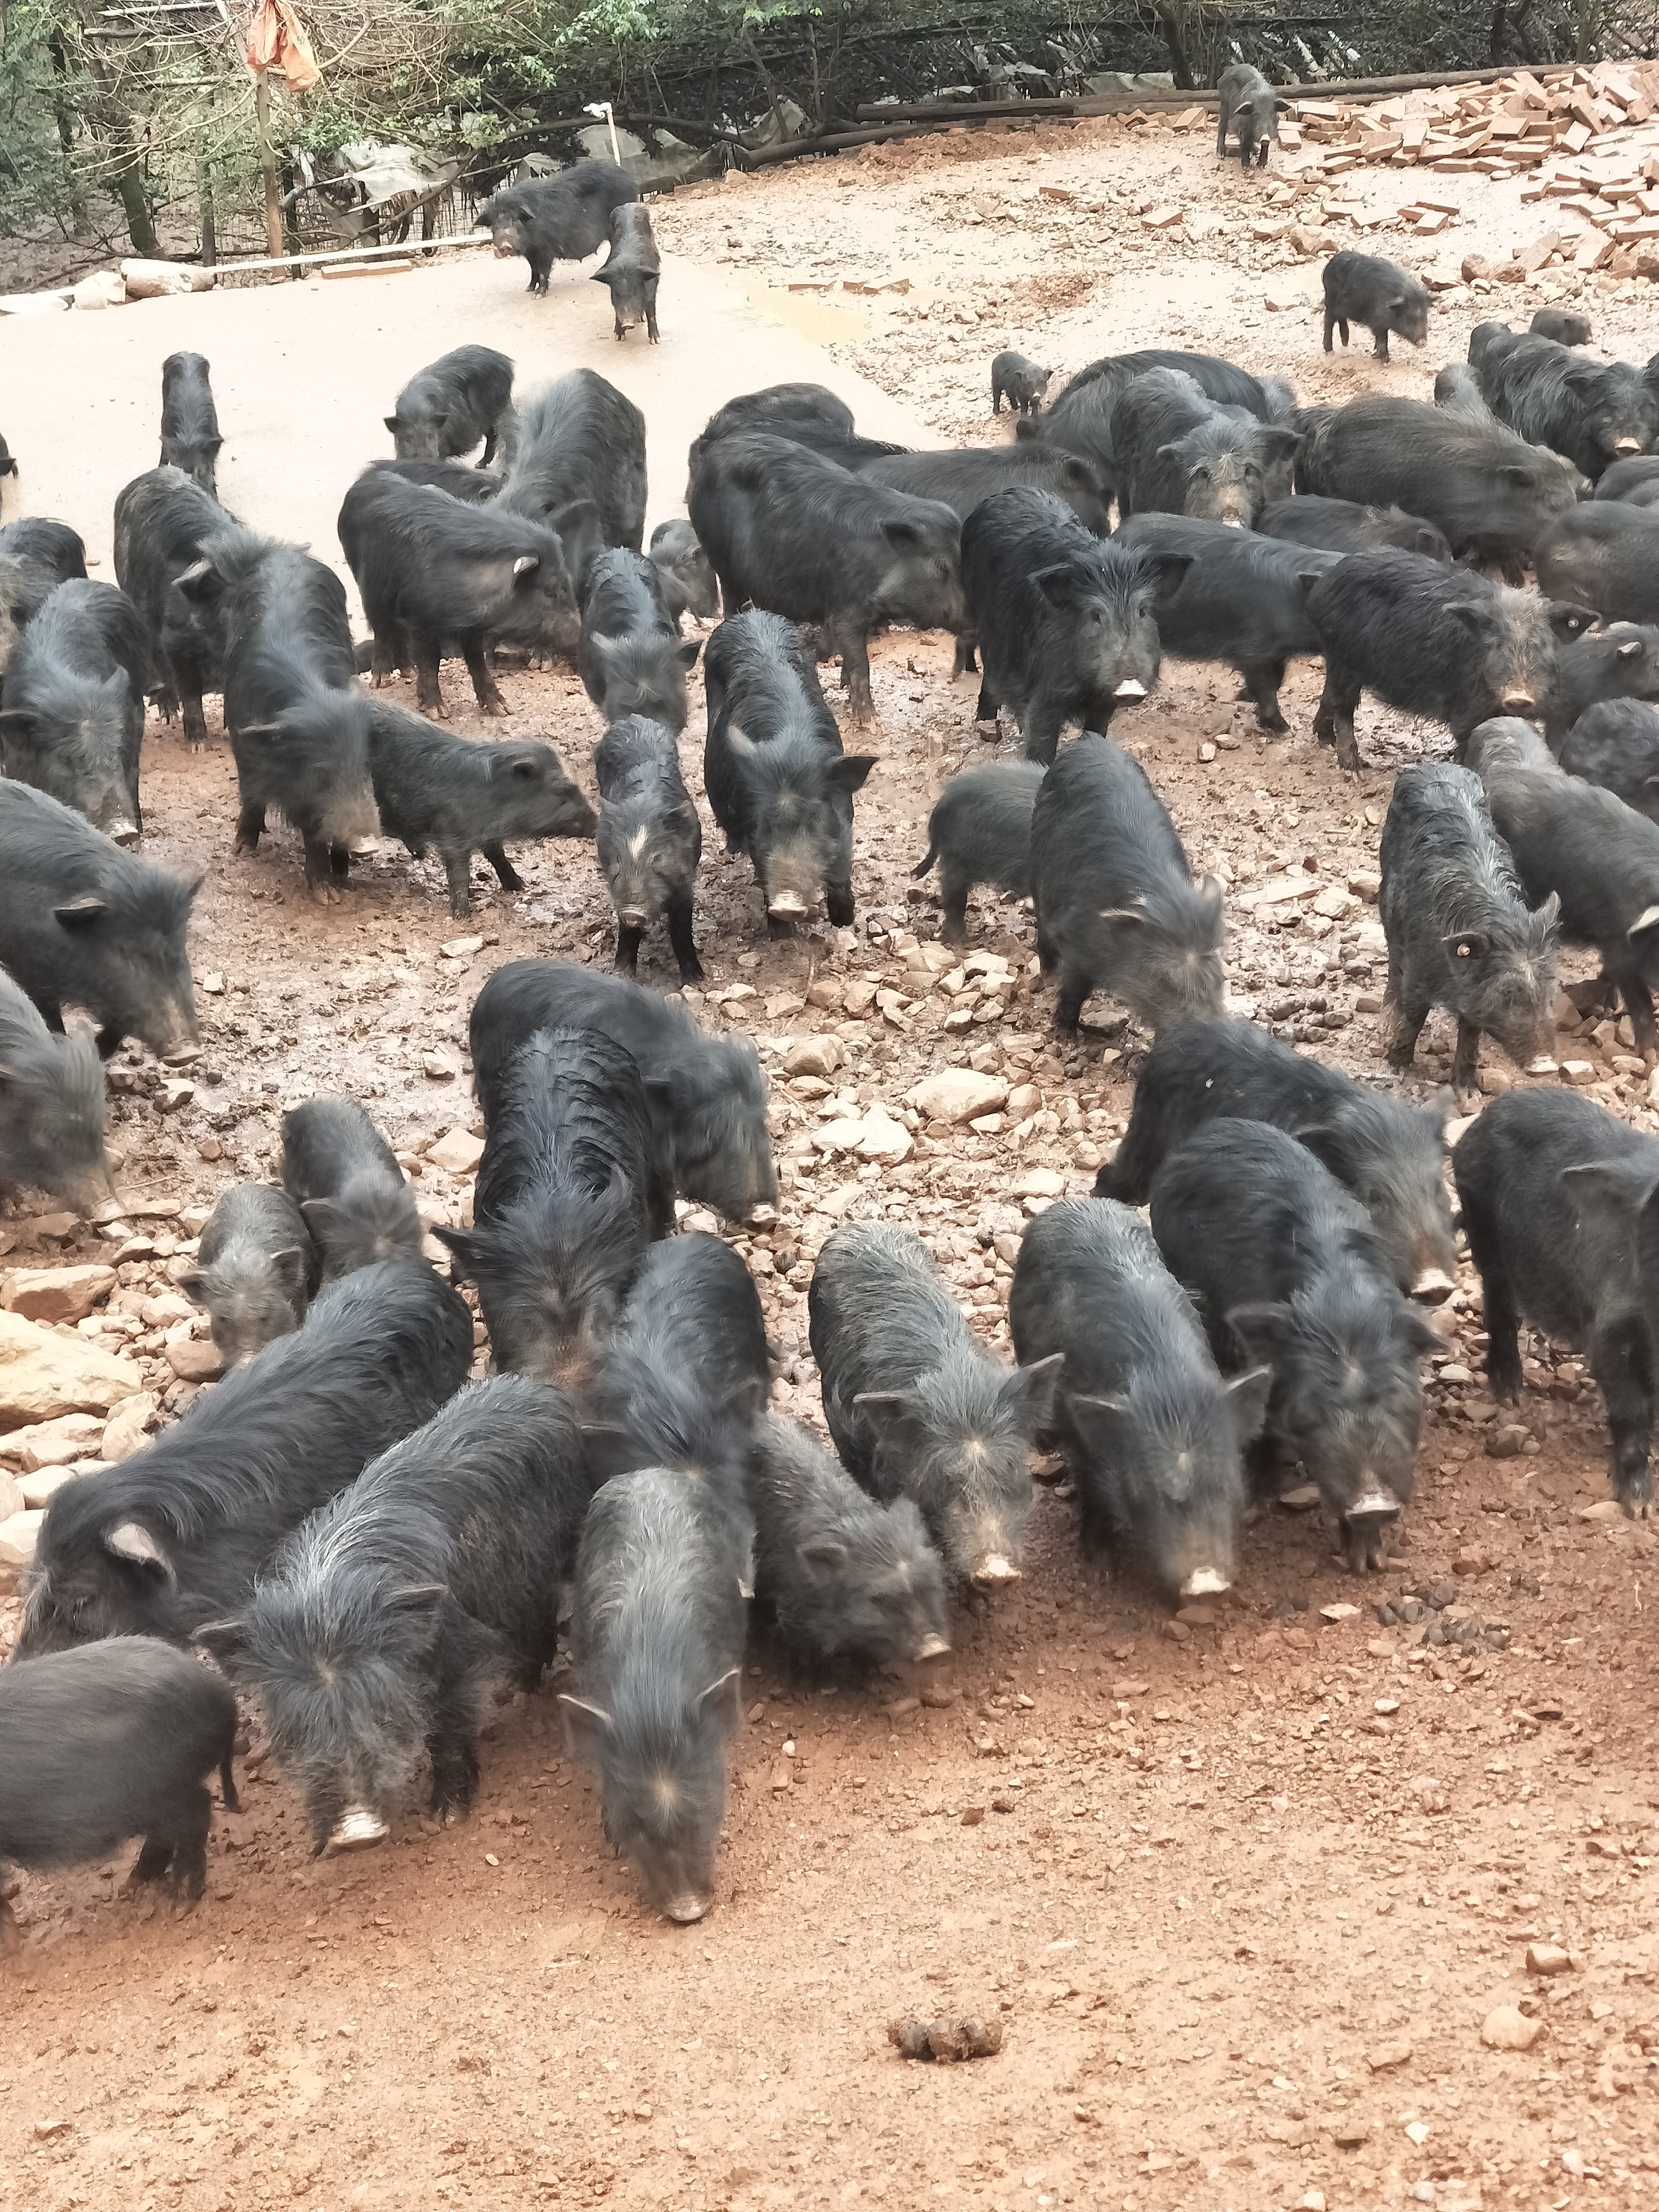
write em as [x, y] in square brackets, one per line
[38, 1488]
[461, 948]
[163, 280]
[1384, 2057]
[33, 303]
[957, 1094]
[53, 1228]
[51, 1444]
[845, 1135]
[440, 1066]
[1302, 1500]
[103, 289]
[17, 1534]
[11, 1494]
[457, 1153]
[167, 1307]
[1335, 1613]
[1040, 1182]
[1022, 1100]
[127, 1425]
[814, 1056]
[44, 1374]
[1547, 1959]
[194, 1361]
[1506, 2028]
[885, 1139]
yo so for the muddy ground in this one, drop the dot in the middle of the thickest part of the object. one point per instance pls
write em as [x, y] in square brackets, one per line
[1241, 1890]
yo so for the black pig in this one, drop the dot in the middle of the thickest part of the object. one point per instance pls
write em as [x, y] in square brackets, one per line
[51, 1107]
[562, 218]
[340, 1172]
[455, 797]
[780, 785]
[917, 1408]
[1615, 744]
[657, 1638]
[980, 832]
[1248, 108]
[1116, 905]
[72, 706]
[1391, 1157]
[114, 1741]
[1431, 641]
[1604, 555]
[176, 1534]
[1065, 620]
[687, 573]
[1363, 288]
[649, 840]
[257, 1269]
[1154, 1436]
[164, 523]
[850, 1582]
[630, 272]
[707, 1095]
[1288, 1274]
[375, 1628]
[632, 659]
[447, 407]
[82, 920]
[577, 440]
[1459, 934]
[1558, 1198]
[190, 421]
[1021, 382]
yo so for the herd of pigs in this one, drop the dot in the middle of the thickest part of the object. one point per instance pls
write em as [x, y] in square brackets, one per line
[362, 1539]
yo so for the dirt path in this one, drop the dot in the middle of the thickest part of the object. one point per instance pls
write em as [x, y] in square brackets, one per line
[1241, 1889]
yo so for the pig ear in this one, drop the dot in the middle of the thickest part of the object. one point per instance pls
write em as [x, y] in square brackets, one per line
[1168, 572]
[1420, 1332]
[225, 1640]
[688, 652]
[80, 913]
[1610, 1193]
[1626, 647]
[130, 1541]
[1549, 913]
[902, 533]
[23, 721]
[746, 1400]
[393, 422]
[602, 276]
[850, 772]
[891, 1415]
[739, 740]
[291, 1264]
[1569, 622]
[1262, 1330]
[524, 568]
[1473, 614]
[1120, 914]
[1099, 1422]
[258, 729]
[822, 1555]
[722, 1701]
[1057, 584]
[201, 580]
[1467, 943]
[1328, 1147]
[1248, 1395]
[417, 1598]
[1647, 920]
[462, 1246]
[191, 1285]
[1029, 1393]
[587, 1730]
[1308, 578]
[1279, 444]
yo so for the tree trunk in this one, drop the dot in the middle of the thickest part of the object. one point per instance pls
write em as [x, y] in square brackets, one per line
[1169, 16]
[127, 183]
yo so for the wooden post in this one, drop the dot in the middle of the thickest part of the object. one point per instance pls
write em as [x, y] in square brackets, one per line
[210, 237]
[268, 166]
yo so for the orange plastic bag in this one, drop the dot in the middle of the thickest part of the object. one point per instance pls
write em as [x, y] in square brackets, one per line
[276, 40]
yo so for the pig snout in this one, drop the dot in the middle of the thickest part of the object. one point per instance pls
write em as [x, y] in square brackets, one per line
[358, 1829]
[121, 831]
[1366, 1527]
[1130, 688]
[632, 917]
[1626, 444]
[787, 906]
[995, 1567]
[931, 1647]
[1519, 702]
[1206, 1582]
[688, 1906]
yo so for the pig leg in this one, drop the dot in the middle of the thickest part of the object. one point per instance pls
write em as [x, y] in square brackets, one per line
[651, 330]
[838, 903]
[1402, 1023]
[152, 1860]
[195, 719]
[854, 648]
[189, 1875]
[490, 446]
[1330, 318]
[1261, 681]
[505, 874]
[1221, 134]
[318, 867]
[1334, 723]
[628, 951]
[428, 696]
[453, 1746]
[1498, 1300]
[679, 936]
[1074, 987]
[1382, 344]
[1619, 1362]
[986, 711]
[1639, 1004]
[1047, 950]
[953, 897]
[1466, 1064]
[457, 873]
[1043, 724]
[249, 827]
[966, 660]
[485, 689]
